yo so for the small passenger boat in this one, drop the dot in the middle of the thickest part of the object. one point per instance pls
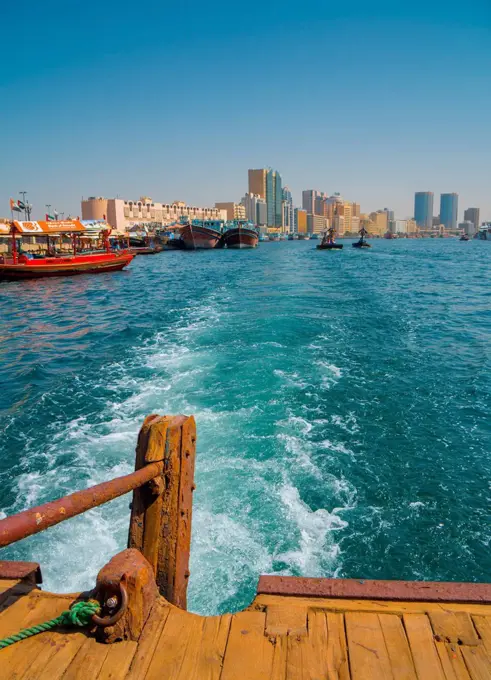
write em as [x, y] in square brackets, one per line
[328, 242]
[464, 237]
[26, 266]
[362, 243]
[240, 234]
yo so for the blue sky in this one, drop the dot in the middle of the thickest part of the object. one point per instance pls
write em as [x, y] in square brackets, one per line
[375, 100]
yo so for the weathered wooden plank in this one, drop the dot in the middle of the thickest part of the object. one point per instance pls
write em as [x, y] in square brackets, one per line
[369, 606]
[178, 647]
[15, 660]
[483, 625]
[88, 661]
[453, 627]
[284, 620]
[368, 655]
[401, 661]
[54, 667]
[149, 641]
[451, 660]
[307, 655]
[214, 638]
[423, 650]
[278, 669]
[337, 649]
[477, 662]
[249, 652]
[118, 660]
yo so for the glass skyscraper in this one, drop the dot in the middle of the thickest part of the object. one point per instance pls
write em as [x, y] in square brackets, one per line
[274, 197]
[449, 208]
[423, 209]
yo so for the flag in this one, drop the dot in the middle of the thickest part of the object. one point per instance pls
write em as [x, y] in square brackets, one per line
[14, 206]
[50, 218]
[21, 205]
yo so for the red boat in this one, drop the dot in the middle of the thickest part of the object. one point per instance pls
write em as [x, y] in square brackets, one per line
[241, 237]
[24, 266]
[205, 234]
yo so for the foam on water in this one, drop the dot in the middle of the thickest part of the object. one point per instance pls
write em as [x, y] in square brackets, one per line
[315, 455]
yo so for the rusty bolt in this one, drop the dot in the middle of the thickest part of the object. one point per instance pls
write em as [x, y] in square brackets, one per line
[112, 602]
[193, 487]
[187, 574]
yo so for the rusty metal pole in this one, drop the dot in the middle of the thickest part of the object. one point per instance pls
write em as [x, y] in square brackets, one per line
[42, 517]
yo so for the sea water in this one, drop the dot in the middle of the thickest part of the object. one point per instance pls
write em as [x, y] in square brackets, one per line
[342, 400]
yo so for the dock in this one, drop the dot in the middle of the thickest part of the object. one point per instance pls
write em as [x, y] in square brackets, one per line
[295, 628]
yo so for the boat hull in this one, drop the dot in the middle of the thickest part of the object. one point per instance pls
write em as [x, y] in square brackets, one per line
[241, 238]
[199, 238]
[89, 264]
[363, 244]
[330, 246]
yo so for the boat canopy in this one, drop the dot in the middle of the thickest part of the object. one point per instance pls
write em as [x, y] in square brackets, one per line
[52, 227]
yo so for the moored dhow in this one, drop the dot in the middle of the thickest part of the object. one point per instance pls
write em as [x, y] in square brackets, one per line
[201, 234]
[240, 235]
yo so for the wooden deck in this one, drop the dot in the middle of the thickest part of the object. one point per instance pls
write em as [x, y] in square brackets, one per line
[277, 637]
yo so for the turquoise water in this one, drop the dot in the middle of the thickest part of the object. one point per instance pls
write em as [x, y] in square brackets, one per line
[343, 405]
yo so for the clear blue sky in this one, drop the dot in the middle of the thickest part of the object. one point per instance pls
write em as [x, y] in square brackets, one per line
[176, 100]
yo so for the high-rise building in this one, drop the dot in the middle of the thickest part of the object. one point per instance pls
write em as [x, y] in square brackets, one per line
[423, 209]
[255, 209]
[257, 182]
[316, 224]
[449, 209]
[288, 211]
[313, 201]
[267, 184]
[468, 227]
[301, 220]
[472, 215]
[235, 211]
[355, 209]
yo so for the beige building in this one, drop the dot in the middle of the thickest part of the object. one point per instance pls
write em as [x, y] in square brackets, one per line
[346, 210]
[379, 224]
[122, 215]
[235, 211]
[316, 224]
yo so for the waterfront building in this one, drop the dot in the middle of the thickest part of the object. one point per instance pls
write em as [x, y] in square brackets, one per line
[435, 221]
[123, 214]
[345, 209]
[472, 215]
[468, 227]
[316, 224]
[355, 209]
[235, 211]
[338, 224]
[267, 184]
[449, 208]
[288, 211]
[314, 202]
[301, 220]
[423, 209]
[378, 222]
[255, 209]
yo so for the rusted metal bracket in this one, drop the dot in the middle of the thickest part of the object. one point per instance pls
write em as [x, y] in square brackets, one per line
[27, 571]
[127, 591]
[160, 525]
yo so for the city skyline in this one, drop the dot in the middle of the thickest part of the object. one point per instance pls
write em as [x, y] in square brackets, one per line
[129, 112]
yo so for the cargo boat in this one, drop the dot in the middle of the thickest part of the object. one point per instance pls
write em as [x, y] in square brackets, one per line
[201, 234]
[243, 235]
[133, 625]
[23, 266]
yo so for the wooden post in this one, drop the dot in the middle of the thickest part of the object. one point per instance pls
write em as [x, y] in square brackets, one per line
[160, 525]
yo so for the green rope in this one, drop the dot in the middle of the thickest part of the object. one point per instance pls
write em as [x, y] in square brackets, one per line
[79, 615]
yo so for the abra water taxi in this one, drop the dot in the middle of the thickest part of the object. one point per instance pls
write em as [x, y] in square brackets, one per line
[362, 243]
[25, 265]
[328, 242]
